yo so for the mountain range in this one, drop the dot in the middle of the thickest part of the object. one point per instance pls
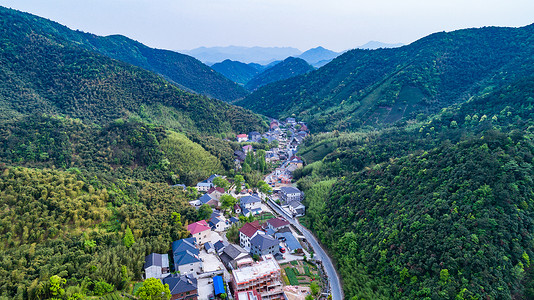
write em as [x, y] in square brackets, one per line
[383, 86]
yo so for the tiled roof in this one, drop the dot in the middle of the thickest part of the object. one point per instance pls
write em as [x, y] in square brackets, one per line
[197, 227]
[262, 241]
[249, 199]
[289, 190]
[213, 189]
[249, 229]
[278, 222]
[181, 283]
[156, 259]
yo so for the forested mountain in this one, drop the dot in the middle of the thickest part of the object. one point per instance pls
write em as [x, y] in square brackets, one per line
[184, 70]
[440, 208]
[237, 71]
[375, 87]
[318, 55]
[290, 67]
[44, 73]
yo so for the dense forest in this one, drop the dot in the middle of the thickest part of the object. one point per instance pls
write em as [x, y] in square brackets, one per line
[375, 87]
[435, 209]
[90, 148]
[237, 71]
[184, 70]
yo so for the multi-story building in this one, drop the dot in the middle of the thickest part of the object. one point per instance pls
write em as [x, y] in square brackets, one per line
[289, 193]
[263, 277]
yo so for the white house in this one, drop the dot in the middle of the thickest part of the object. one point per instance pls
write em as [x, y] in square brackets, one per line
[250, 202]
[247, 232]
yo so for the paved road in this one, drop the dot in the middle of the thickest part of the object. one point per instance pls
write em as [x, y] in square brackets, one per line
[333, 278]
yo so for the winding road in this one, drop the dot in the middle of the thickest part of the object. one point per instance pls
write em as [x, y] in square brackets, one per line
[320, 254]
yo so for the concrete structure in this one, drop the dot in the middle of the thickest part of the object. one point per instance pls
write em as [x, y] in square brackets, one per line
[296, 208]
[156, 265]
[234, 257]
[264, 277]
[242, 138]
[289, 193]
[182, 287]
[248, 295]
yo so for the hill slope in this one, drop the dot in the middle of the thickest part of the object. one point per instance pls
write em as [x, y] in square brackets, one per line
[183, 70]
[236, 71]
[375, 87]
[44, 73]
[290, 67]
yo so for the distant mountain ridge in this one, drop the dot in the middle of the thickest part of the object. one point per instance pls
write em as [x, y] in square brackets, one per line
[288, 68]
[319, 56]
[260, 55]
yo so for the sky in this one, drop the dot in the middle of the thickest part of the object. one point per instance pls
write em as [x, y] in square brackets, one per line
[334, 24]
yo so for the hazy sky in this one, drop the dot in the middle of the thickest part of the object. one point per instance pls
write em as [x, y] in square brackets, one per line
[334, 24]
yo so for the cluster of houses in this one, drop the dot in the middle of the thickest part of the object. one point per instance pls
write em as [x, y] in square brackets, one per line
[255, 272]
[289, 136]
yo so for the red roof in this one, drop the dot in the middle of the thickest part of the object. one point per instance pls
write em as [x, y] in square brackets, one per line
[278, 222]
[247, 147]
[242, 135]
[197, 227]
[218, 189]
[249, 229]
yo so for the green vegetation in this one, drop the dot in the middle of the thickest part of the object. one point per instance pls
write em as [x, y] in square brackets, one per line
[236, 71]
[375, 87]
[43, 72]
[153, 289]
[185, 71]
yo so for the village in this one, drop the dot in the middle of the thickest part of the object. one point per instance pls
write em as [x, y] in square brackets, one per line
[248, 248]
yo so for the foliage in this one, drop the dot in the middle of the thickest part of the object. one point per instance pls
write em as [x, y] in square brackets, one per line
[204, 212]
[153, 289]
[45, 71]
[102, 288]
[128, 238]
[375, 87]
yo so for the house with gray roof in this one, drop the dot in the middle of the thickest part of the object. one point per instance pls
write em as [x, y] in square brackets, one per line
[289, 193]
[297, 208]
[185, 255]
[234, 257]
[262, 244]
[291, 242]
[182, 287]
[250, 202]
[156, 265]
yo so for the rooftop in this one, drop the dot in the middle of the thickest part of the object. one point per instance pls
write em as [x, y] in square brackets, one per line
[249, 199]
[278, 222]
[249, 229]
[198, 227]
[260, 269]
[181, 283]
[289, 190]
[156, 259]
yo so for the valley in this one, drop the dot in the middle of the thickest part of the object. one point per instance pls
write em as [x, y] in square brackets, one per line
[384, 172]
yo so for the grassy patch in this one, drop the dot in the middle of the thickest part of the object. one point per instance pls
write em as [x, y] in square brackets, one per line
[291, 276]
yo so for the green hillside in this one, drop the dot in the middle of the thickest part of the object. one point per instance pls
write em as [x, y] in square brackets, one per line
[290, 67]
[377, 87]
[43, 73]
[236, 71]
[184, 70]
[397, 207]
